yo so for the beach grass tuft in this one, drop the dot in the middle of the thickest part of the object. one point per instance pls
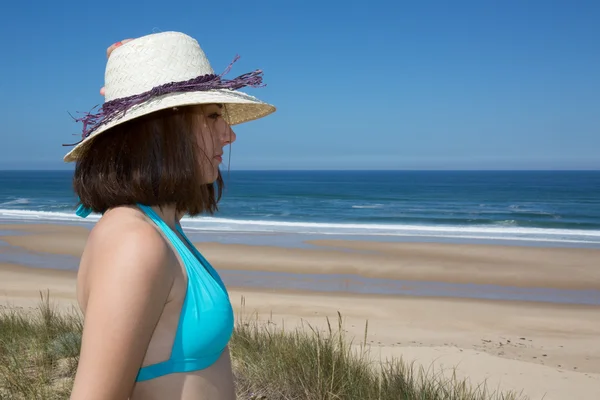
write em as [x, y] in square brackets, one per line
[39, 351]
[271, 362]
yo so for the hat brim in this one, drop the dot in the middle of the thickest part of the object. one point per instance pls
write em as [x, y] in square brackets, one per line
[241, 107]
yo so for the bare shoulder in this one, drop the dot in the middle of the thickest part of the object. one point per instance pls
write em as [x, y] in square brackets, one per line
[125, 223]
[124, 244]
[126, 281]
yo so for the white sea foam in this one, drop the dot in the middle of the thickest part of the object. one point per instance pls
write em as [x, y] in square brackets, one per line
[368, 206]
[15, 202]
[42, 216]
[211, 224]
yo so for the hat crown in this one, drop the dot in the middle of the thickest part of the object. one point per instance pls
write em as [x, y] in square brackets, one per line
[141, 64]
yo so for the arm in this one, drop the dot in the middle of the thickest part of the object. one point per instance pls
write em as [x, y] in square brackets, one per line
[128, 282]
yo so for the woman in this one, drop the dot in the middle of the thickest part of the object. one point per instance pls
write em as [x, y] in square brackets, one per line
[157, 316]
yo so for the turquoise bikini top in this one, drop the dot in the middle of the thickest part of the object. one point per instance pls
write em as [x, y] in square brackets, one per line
[206, 319]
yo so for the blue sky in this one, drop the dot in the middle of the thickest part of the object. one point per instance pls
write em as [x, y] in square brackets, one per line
[358, 85]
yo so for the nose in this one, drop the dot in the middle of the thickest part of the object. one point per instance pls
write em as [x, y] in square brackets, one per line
[228, 135]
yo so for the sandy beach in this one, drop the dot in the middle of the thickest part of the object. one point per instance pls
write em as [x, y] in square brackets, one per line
[544, 349]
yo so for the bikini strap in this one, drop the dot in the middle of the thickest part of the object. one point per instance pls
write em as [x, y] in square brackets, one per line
[172, 236]
[83, 211]
[183, 250]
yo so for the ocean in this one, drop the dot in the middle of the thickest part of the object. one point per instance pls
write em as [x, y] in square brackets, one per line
[522, 207]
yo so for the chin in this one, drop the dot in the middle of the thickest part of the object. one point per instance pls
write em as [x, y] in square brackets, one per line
[210, 173]
[211, 178]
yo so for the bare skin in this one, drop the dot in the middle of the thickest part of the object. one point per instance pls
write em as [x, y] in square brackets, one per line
[131, 286]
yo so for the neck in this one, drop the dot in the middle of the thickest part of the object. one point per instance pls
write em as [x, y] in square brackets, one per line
[168, 214]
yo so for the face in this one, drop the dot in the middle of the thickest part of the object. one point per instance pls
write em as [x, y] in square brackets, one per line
[214, 134]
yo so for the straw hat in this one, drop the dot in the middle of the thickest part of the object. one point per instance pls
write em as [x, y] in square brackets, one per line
[165, 70]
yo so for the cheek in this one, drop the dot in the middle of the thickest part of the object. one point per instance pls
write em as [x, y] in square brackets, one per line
[223, 130]
[205, 139]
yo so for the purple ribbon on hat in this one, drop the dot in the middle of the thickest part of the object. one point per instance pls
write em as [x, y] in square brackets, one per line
[118, 107]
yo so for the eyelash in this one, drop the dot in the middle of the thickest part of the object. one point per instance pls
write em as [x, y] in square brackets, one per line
[214, 116]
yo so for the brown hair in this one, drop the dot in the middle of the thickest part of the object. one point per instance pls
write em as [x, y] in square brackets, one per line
[152, 160]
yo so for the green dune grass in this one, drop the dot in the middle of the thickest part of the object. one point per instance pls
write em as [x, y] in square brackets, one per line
[39, 351]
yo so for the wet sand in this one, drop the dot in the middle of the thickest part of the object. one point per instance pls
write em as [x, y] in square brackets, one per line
[560, 268]
[541, 348]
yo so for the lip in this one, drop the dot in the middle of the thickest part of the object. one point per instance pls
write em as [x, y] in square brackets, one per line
[219, 157]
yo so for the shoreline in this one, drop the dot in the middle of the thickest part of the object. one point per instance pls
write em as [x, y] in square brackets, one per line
[422, 270]
[508, 266]
[296, 233]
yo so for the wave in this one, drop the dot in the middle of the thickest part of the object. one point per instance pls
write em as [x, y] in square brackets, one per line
[15, 202]
[506, 231]
[508, 222]
[368, 206]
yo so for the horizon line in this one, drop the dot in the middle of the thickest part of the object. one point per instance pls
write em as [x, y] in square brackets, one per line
[354, 170]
